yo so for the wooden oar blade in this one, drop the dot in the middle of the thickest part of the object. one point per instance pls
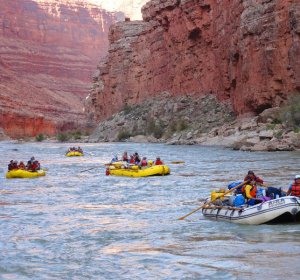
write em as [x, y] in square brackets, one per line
[212, 200]
[88, 169]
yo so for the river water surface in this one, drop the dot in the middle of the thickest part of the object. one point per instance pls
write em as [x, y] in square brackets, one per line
[85, 225]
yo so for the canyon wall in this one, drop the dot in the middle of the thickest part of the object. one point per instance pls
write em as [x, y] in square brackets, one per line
[246, 52]
[48, 52]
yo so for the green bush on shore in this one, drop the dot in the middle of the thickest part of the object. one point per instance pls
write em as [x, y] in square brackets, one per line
[123, 135]
[40, 137]
[62, 137]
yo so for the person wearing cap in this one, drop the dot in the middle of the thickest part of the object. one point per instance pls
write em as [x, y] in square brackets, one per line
[294, 188]
[252, 178]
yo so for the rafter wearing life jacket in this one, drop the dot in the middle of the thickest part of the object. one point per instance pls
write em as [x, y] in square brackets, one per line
[294, 189]
[249, 191]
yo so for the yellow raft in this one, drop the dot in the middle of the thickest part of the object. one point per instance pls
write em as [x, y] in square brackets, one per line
[74, 154]
[20, 173]
[134, 171]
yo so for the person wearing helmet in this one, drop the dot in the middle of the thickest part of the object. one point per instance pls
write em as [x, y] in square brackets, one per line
[294, 188]
[252, 178]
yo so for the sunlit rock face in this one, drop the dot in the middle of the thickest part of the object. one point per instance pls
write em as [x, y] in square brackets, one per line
[247, 52]
[48, 52]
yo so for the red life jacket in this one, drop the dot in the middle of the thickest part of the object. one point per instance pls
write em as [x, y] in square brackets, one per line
[158, 162]
[34, 166]
[144, 163]
[295, 189]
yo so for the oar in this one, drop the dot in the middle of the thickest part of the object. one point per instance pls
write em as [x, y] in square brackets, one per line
[177, 162]
[89, 169]
[207, 203]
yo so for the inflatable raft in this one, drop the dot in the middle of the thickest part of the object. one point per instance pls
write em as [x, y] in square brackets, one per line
[74, 154]
[279, 210]
[134, 171]
[20, 173]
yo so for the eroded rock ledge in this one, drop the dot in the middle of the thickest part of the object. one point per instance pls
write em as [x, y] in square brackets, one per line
[189, 120]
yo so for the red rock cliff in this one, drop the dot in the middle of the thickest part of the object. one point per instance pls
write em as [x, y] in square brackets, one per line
[244, 51]
[48, 52]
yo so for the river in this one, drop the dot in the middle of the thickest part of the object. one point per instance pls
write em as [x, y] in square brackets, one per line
[85, 225]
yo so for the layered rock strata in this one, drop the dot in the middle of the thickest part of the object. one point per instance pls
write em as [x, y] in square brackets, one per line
[245, 52]
[48, 52]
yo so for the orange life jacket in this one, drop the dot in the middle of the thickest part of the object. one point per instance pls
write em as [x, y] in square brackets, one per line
[252, 191]
[295, 189]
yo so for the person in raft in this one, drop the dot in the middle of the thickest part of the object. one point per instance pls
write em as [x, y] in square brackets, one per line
[114, 159]
[22, 165]
[251, 177]
[144, 162]
[125, 157]
[294, 188]
[158, 161]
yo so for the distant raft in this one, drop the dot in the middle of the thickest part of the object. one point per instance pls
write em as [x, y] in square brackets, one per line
[74, 154]
[134, 171]
[20, 173]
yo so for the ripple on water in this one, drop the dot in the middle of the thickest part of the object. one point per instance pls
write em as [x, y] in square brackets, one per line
[85, 225]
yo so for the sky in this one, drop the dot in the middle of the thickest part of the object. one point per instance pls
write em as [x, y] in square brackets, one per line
[131, 8]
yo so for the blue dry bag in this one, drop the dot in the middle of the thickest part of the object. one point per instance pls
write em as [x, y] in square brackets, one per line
[239, 200]
[234, 184]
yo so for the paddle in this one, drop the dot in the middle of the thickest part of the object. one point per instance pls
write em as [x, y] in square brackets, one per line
[207, 203]
[89, 169]
[177, 162]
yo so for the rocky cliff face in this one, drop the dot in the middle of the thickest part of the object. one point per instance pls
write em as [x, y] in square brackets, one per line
[48, 52]
[246, 52]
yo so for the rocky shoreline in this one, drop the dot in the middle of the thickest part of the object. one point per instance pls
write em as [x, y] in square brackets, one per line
[190, 120]
[202, 120]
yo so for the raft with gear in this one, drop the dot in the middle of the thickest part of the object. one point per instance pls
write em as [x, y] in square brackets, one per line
[20, 173]
[74, 154]
[118, 169]
[280, 210]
